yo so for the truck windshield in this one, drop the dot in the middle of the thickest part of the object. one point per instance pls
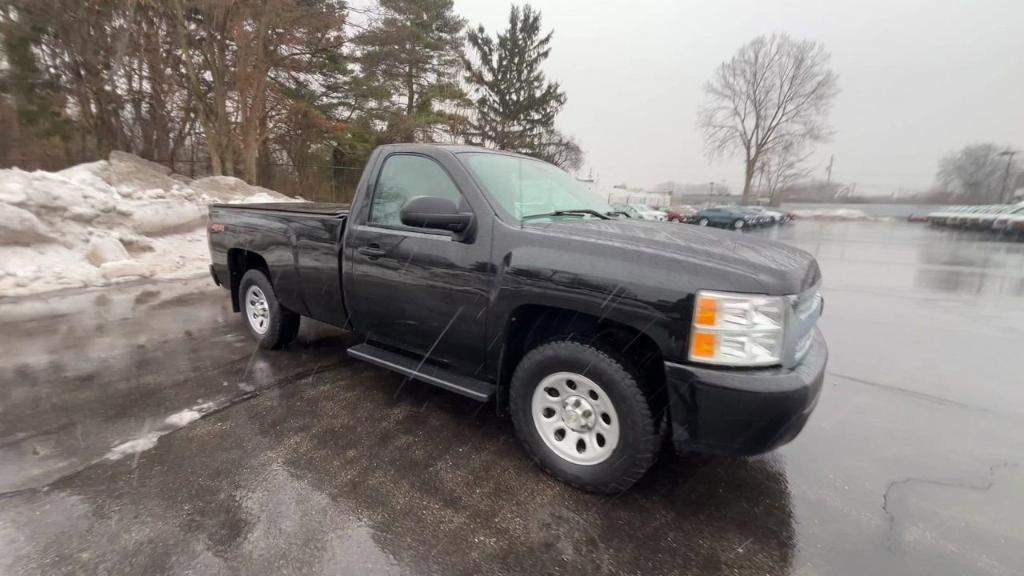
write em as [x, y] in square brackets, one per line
[531, 189]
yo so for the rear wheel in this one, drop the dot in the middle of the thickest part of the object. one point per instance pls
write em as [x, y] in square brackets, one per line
[738, 224]
[272, 325]
[581, 414]
[703, 221]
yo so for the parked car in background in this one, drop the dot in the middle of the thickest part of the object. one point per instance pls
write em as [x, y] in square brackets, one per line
[986, 218]
[758, 216]
[958, 215]
[772, 216]
[652, 214]
[971, 218]
[639, 211]
[681, 213]
[733, 217]
[625, 210]
[1010, 221]
[989, 217]
[941, 217]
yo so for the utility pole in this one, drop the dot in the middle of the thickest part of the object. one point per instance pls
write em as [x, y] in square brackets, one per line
[1003, 198]
[831, 159]
[711, 191]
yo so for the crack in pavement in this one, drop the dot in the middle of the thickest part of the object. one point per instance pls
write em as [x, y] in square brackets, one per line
[22, 436]
[922, 395]
[963, 484]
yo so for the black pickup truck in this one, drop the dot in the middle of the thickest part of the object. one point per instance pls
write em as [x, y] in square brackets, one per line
[500, 277]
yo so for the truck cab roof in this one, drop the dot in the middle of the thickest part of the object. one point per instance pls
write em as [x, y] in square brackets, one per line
[314, 208]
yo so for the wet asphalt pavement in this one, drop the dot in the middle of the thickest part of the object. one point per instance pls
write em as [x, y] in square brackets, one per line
[141, 433]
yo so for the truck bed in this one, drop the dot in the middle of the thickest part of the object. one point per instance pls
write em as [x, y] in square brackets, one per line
[317, 208]
[297, 244]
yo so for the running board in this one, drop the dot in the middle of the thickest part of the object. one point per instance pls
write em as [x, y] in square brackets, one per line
[413, 368]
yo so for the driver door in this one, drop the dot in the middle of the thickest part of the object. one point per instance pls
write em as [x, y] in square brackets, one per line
[423, 291]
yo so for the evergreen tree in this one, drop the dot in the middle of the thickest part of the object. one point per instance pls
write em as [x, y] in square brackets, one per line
[409, 59]
[515, 104]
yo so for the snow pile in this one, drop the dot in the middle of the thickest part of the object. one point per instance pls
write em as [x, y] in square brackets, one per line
[186, 417]
[141, 444]
[109, 221]
[831, 214]
[149, 439]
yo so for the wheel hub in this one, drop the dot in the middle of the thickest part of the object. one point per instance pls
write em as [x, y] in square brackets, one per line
[578, 414]
[575, 418]
[257, 309]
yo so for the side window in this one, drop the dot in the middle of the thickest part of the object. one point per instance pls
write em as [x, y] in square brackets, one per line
[406, 176]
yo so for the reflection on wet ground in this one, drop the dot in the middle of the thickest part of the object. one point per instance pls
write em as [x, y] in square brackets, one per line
[314, 463]
[913, 257]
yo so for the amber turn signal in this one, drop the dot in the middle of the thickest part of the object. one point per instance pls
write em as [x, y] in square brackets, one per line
[704, 345]
[707, 311]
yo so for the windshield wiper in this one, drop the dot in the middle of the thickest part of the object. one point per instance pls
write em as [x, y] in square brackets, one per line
[573, 212]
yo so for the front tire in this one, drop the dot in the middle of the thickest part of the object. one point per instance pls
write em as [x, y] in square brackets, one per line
[737, 224]
[581, 414]
[703, 222]
[272, 325]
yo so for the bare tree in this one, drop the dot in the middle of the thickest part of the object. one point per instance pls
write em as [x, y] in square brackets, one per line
[976, 172]
[776, 92]
[780, 169]
[561, 150]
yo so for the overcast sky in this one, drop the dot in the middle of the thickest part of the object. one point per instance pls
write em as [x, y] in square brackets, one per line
[918, 78]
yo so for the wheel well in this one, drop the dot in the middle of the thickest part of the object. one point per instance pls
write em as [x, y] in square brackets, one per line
[532, 325]
[241, 261]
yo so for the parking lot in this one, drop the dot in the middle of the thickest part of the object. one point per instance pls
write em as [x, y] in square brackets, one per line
[140, 432]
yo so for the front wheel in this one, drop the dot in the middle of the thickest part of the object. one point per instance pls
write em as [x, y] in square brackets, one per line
[703, 222]
[737, 224]
[272, 325]
[582, 416]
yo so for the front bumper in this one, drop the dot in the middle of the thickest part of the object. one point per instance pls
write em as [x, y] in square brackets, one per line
[743, 411]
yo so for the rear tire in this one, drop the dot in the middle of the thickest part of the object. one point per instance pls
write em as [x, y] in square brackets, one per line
[272, 325]
[581, 414]
[703, 222]
[737, 224]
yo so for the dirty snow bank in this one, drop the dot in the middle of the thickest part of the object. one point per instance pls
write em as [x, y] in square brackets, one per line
[832, 214]
[105, 222]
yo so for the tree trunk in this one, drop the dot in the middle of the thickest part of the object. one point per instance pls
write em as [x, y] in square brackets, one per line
[250, 154]
[252, 69]
[410, 92]
[748, 181]
[228, 157]
[216, 168]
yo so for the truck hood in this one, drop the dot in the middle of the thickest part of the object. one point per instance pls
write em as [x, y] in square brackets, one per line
[776, 267]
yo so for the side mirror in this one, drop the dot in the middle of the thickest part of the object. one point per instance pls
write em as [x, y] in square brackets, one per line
[433, 212]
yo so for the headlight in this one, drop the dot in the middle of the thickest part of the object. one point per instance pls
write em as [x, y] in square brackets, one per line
[737, 329]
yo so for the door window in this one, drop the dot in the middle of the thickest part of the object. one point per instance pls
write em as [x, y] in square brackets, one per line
[406, 176]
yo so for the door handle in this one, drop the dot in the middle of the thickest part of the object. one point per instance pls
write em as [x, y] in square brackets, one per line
[372, 251]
